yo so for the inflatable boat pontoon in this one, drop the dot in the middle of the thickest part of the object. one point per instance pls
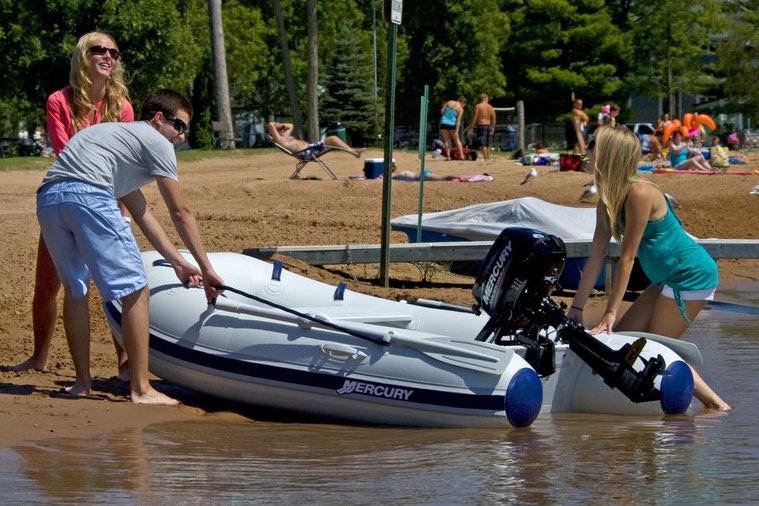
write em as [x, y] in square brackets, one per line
[281, 340]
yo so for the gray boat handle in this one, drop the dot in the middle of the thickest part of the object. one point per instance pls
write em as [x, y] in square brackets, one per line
[339, 351]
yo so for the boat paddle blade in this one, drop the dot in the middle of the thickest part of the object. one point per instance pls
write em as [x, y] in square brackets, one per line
[458, 352]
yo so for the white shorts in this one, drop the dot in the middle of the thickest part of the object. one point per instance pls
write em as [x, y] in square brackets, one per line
[707, 294]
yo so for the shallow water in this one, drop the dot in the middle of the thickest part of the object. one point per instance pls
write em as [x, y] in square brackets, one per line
[703, 459]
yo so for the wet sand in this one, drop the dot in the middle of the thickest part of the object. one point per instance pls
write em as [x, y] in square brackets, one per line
[245, 199]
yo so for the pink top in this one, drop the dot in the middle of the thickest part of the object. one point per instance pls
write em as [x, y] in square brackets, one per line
[60, 125]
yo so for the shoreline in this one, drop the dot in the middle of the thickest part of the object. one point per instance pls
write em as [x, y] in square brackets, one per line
[249, 201]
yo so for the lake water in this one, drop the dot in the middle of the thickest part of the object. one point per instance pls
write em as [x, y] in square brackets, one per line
[703, 459]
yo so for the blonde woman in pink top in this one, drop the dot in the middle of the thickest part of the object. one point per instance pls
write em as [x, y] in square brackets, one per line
[96, 93]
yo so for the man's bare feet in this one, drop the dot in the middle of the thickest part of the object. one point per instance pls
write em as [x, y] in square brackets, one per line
[357, 152]
[30, 364]
[78, 390]
[152, 396]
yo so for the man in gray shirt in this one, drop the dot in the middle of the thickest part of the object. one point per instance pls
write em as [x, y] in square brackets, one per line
[88, 237]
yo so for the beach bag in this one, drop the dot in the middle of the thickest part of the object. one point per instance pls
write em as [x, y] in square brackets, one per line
[468, 154]
[570, 162]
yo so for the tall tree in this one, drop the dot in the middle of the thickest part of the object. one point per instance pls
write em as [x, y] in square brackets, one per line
[739, 58]
[286, 63]
[348, 96]
[454, 46]
[312, 86]
[561, 48]
[223, 108]
[671, 40]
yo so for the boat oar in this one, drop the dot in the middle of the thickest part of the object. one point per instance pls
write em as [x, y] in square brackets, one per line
[458, 355]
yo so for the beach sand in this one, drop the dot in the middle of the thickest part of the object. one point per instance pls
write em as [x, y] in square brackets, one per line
[245, 199]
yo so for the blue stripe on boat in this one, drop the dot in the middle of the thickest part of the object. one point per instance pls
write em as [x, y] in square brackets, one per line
[296, 378]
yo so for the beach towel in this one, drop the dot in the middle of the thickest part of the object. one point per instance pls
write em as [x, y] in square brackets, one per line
[706, 173]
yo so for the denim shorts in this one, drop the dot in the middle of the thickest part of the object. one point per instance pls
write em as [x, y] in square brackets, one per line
[87, 236]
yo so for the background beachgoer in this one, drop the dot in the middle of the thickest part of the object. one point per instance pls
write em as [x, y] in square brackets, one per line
[450, 123]
[683, 157]
[483, 124]
[282, 134]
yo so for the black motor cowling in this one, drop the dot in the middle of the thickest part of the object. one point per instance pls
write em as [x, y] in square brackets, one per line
[521, 268]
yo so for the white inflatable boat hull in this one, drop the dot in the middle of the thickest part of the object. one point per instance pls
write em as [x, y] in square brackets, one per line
[433, 372]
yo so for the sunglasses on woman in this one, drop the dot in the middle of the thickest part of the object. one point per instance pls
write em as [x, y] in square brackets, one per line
[101, 50]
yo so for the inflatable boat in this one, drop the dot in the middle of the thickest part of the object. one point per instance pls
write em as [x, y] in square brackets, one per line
[281, 340]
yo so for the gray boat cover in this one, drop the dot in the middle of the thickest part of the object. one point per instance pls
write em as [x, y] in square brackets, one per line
[484, 222]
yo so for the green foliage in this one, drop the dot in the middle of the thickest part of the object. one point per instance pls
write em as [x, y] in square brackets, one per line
[245, 41]
[671, 39]
[539, 51]
[561, 47]
[161, 49]
[454, 47]
[348, 96]
[739, 59]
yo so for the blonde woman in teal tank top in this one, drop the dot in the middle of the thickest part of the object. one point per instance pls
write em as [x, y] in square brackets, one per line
[634, 211]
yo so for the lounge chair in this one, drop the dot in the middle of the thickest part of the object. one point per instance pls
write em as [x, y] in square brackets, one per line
[304, 157]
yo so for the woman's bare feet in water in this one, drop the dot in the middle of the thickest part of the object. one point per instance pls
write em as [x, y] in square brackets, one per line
[719, 407]
[30, 364]
[153, 396]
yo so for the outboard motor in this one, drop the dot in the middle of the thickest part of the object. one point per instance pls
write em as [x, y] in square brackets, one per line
[519, 272]
[514, 285]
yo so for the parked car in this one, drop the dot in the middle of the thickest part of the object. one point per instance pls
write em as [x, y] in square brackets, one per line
[642, 131]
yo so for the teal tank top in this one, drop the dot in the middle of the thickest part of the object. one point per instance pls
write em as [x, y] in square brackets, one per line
[449, 116]
[676, 159]
[669, 256]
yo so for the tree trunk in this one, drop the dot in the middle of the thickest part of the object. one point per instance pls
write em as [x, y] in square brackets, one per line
[313, 72]
[223, 109]
[289, 80]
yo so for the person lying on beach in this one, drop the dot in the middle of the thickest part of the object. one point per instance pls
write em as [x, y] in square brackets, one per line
[407, 175]
[282, 134]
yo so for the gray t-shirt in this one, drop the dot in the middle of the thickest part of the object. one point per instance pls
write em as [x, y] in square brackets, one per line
[118, 157]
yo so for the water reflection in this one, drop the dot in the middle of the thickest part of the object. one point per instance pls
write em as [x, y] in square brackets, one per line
[560, 459]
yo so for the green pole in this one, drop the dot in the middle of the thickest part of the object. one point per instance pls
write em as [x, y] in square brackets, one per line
[387, 168]
[422, 154]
